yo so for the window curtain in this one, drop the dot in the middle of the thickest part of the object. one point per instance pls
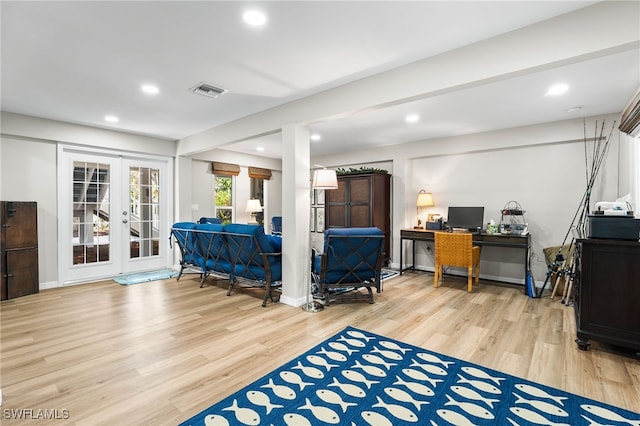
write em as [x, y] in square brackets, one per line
[258, 173]
[630, 120]
[225, 169]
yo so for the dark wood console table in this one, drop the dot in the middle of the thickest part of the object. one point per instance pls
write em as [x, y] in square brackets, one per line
[607, 298]
[490, 240]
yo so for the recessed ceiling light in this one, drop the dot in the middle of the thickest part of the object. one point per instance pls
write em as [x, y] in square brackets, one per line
[259, 148]
[315, 137]
[557, 89]
[150, 89]
[412, 118]
[111, 118]
[254, 18]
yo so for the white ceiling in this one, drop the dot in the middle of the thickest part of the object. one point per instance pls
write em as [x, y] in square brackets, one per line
[79, 61]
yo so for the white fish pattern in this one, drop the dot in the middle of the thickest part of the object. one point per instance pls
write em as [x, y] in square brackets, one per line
[394, 346]
[470, 408]
[454, 417]
[605, 413]
[418, 388]
[397, 411]
[335, 356]
[355, 376]
[539, 393]
[471, 394]
[246, 416]
[349, 389]
[262, 399]
[295, 419]
[402, 396]
[321, 362]
[352, 342]
[309, 371]
[321, 413]
[282, 391]
[332, 397]
[480, 374]
[342, 347]
[375, 359]
[480, 385]
[215, 420]
[387, 354]
[543, 406]
[419, 375]
[434, 359]
[370, 369]
[534, 417]
[360, 335]
[359, 378]
[374, 418]
[294, 379]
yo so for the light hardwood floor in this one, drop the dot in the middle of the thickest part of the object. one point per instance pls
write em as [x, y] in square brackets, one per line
[158, 353]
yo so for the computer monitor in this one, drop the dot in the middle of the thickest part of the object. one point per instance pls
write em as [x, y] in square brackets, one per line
[470, 218]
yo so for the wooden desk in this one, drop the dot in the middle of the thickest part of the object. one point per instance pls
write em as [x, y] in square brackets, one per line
[493, 240]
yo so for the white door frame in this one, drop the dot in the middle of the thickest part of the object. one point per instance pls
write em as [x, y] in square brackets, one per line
[119, 261]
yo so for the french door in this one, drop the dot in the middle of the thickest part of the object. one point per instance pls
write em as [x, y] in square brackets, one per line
[113, 214]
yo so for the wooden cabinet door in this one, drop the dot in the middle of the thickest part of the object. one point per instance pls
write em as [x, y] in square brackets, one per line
[21, 272]
[359, 203]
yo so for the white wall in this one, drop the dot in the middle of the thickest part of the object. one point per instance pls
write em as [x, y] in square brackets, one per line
[202, 183]
[541, 167]
[28, 170]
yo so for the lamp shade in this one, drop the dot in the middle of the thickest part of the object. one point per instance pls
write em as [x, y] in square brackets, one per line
[253, 206]
[425, 199]
[324, 179]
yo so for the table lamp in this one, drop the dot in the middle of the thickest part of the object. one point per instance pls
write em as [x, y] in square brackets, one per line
[253, 207]
[425, 199]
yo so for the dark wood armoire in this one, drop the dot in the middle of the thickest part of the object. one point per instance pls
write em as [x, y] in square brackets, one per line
[361, 200]
[19, 248]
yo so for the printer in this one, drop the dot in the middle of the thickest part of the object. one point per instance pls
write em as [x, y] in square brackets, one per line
[613, 220]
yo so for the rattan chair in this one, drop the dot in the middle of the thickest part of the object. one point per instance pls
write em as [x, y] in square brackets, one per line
[456, 249]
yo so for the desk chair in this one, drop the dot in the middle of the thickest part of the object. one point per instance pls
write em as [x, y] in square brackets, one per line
[456, 249]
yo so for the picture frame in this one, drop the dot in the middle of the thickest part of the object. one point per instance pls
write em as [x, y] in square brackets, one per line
[313, 197]
[312, 224]
[320, 197]
[319, 214]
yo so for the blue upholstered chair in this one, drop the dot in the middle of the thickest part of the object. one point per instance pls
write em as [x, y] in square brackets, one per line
[352, 259]
[215, 220]
[191, 254]
[276, 225]
[211, 242]
[256, 257]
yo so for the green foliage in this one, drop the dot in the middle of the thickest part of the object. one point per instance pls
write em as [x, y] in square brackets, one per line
[223, 191]
[361, 170]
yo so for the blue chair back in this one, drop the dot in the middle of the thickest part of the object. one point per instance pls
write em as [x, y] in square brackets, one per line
[245, 243]
[211, 242]
[276, 225]
[210, 220]
[353, 255]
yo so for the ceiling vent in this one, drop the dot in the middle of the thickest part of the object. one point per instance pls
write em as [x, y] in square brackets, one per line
[208, 90]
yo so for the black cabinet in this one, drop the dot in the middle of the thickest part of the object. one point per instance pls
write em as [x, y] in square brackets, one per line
[607, 304]
[18, 249]
[360, 201]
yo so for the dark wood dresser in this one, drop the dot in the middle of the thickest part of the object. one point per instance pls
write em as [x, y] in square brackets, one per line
[18, 248]
[361, 200]
[607, 304]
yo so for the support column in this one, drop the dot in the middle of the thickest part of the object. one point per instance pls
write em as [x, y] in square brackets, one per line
[296, 213]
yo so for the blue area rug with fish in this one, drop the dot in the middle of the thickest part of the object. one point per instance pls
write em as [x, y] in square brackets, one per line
[361, 378]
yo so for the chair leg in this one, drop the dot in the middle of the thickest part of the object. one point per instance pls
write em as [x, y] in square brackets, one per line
[370, 294]
[470, 278]
[436, 276]
[478, 274]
